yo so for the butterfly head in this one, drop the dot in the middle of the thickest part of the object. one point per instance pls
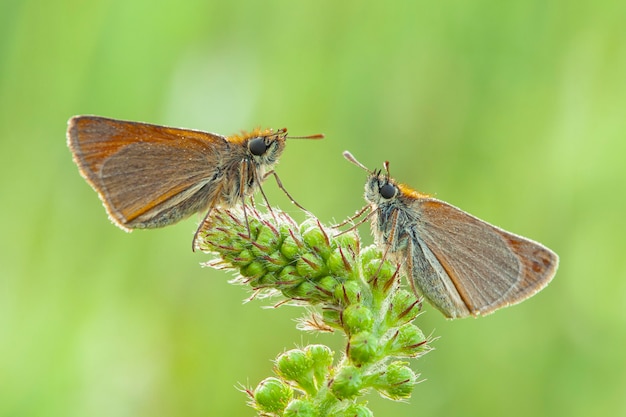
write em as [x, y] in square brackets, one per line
[265, 147]
[380, 188]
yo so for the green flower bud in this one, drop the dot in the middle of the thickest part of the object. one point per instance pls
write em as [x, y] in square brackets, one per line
[295, 365]
[368, 254]
[397, 381]
[348, 293]
[350, 243]
[241, 259]
[304, 290]
[288, 276]
[301, 408]
[318, 239]
[253, 269]
[311, 265]
[266, 242]
[290, 248]
[267, 280]
[322, 358]
[338, 263]
[275, 261]
[332, 317]
[228, 246]
[404, 308]
[357, 410]
[357, 318]
[363, 348]
[308, 224]
[327, 285]
[272, 395]
[408, 341]
[348, 383]
[285, 226]
[381, 275]
[269, 229]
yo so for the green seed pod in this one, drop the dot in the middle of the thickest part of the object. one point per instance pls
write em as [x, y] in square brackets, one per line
[338, 264]
[327, 285]
[404, 308]
[408, 341]
[307, 225]
[241, 259]
[304, 290]
[348, 293]
[253, 269]
[295, 365]
[332, 317]
[311, 265]
[266, 242]
[290, 248]
[267, 280]
[317, 238]
[363, 348]
[397, 381]
[275, 261]
[301, 408]
[368, 254]
[357, 410]
[347, 384]
[349, 242]
[357, 318]
[322, 358]
[272, 395]
[288, 276]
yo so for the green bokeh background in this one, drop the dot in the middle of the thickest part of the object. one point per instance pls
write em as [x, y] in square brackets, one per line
[514, 111]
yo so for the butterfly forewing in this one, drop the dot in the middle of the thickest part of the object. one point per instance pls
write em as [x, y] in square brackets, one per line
[119, 159]
[489, 267]
[132, 189]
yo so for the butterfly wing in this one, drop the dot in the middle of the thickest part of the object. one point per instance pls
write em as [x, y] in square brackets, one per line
[146, 175]
[489, 267]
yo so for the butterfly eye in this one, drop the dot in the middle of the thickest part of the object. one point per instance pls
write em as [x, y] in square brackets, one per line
[257, 146]
[387, 191]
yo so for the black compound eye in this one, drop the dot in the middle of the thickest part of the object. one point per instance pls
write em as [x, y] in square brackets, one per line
[387, 191]
[257, 146]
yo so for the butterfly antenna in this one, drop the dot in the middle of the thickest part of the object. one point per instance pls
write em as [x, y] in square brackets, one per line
[386, 165]
[352, 159]
[316, 136]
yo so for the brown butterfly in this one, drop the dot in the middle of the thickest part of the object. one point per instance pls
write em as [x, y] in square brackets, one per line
[459, 263]
[150, 176]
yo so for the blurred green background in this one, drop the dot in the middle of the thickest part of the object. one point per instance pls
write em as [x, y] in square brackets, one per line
[514, 111]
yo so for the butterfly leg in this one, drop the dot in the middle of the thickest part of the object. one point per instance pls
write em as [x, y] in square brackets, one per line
[245, 166]
[360, 222]
[390, 241]
[282, 187]
[194, 242]
[351, 218]
[267, 203]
